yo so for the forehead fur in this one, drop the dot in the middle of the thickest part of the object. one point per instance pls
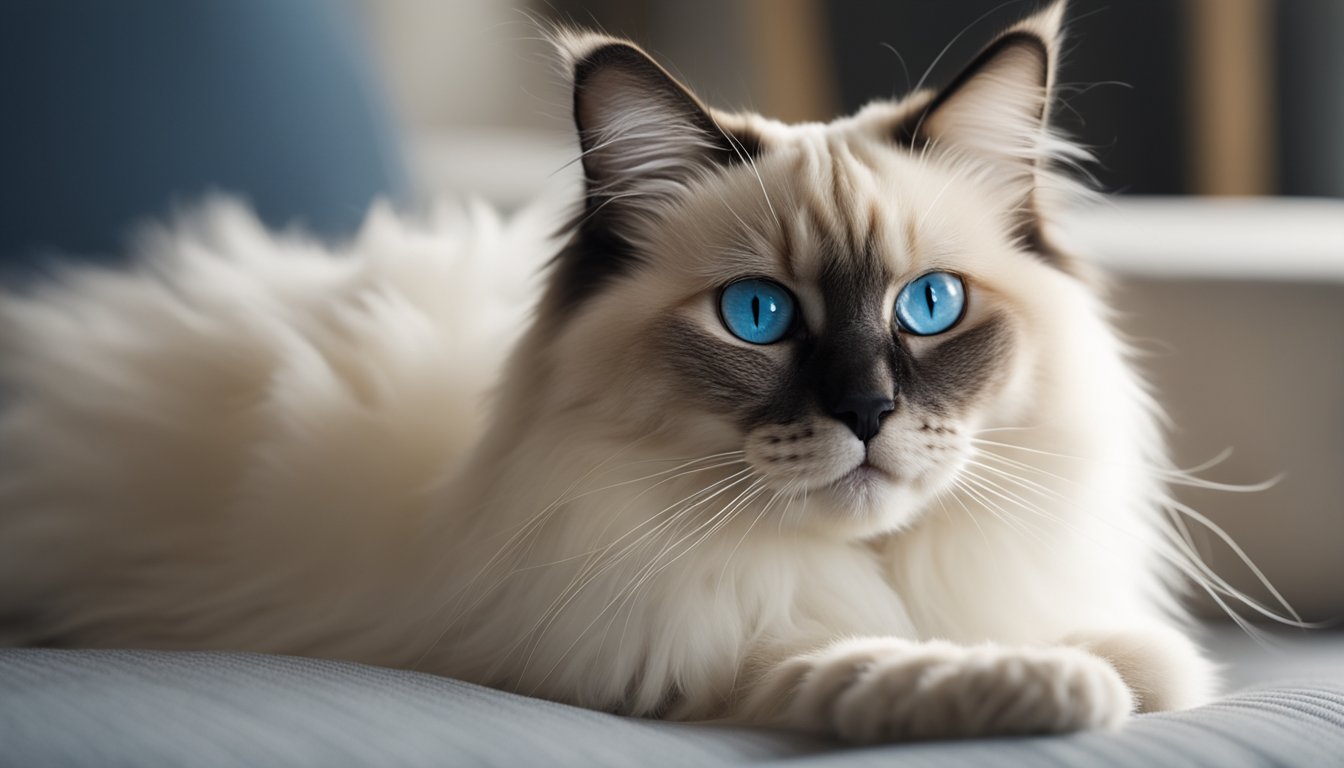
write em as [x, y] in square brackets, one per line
[822, 194]
[675, 186]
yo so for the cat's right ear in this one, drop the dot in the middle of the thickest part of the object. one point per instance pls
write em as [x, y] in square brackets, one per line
[643, 134]
[645, 138]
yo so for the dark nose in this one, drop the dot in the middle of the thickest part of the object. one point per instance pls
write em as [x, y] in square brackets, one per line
[863, 413]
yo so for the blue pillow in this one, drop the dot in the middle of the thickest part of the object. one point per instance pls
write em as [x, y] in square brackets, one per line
[116, 112]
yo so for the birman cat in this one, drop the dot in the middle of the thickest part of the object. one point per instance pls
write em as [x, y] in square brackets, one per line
[808, 426]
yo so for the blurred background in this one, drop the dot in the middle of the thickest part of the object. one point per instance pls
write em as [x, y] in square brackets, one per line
[1176, 97]
[1218, 123]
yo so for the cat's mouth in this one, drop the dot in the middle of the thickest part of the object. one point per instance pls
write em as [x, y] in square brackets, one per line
[865, 475]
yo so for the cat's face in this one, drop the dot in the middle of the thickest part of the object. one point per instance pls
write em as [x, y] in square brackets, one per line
[845, 304]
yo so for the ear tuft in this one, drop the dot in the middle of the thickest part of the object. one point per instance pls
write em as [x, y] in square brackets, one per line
[573, 45]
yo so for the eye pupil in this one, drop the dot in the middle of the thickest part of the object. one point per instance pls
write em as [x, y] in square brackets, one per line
[756, 310]
[942, 298]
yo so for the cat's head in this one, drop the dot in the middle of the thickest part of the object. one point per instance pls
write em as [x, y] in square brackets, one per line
[846, 304]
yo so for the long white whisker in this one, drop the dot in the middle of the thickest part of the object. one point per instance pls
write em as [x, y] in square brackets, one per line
[725, 513]
[975, 490]
[591, 573]
[1184, 558]
[720, 519]
[1236, 549]
[560, 502]
[1021, 482]
[764, 509]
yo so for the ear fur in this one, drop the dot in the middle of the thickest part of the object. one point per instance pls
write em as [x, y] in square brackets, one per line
[644, 138]
[641, 131]
[999, 105]
[996, 113]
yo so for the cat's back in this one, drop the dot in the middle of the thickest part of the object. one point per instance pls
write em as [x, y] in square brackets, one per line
[240, 413]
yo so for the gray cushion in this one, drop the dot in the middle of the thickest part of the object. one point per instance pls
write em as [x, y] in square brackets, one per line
[144, 708]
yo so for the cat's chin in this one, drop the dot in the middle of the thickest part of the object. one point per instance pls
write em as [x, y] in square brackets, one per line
[867, 500]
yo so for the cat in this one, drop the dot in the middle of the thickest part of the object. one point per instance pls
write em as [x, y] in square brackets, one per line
[810, 426]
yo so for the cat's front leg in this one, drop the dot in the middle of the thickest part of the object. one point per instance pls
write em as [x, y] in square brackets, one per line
[871, 690]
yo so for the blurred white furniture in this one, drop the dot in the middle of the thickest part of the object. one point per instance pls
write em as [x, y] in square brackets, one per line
[1237, 309]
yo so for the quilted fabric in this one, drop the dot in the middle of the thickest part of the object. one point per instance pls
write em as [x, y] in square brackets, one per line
[145, 708]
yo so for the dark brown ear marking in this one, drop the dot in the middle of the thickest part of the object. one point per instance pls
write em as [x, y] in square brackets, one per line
[910, 132]
[637, 127]
[620, 65]
[1008, 82]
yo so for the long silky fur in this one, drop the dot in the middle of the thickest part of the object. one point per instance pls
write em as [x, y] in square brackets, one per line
[252, 441]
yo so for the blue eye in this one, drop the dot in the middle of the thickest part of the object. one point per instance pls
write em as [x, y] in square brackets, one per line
[758, 311]
[931, 304]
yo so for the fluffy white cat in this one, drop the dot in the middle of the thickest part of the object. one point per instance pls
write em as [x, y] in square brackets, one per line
[811, 426]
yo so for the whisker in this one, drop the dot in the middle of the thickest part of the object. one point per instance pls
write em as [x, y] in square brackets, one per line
[1038, 451]
[1236, 549]
[724, 517]
[1173, 510]
[1183, 557]
[563, 501]
[977, 491]
[648, 573]
[530, 528]
[1021, 482]
[764, 509]
[509, 544]
[597, 568]
[956, 485]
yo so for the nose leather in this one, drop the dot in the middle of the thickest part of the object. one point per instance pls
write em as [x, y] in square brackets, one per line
[863, 413]
[855, 367]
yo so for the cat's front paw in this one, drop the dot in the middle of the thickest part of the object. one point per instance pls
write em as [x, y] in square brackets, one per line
[1163, 667]
[881, 690]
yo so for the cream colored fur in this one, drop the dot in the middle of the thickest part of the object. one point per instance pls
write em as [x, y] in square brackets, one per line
[251, 442]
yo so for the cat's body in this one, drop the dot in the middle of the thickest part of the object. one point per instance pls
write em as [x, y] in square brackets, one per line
[855, 529]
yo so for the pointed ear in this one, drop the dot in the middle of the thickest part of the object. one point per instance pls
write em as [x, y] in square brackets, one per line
[998, 108]
[997, 113]
[642, 132]
[644, 137]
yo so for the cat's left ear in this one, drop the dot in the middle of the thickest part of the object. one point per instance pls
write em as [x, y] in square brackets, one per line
[997, 111]
[1000, 104]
